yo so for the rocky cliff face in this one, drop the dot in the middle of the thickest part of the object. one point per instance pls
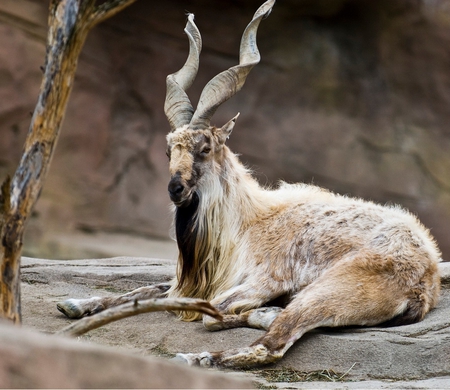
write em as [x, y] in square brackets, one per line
[350, 95]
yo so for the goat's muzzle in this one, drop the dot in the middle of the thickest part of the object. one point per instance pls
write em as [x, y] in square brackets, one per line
[179, 194]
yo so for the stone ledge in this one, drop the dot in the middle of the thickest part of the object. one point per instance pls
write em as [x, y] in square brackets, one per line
[414, 352]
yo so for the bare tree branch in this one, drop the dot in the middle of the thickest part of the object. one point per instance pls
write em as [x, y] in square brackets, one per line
[108, 9]
[138, 307]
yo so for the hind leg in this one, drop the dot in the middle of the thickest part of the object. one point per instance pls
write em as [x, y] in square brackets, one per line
[350, 293]
[77, 308]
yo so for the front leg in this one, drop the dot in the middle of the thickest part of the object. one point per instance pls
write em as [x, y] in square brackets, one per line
[78, 308]
[241, 307]
[260, 318]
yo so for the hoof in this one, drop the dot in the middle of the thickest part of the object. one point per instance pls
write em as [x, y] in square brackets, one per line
[203, 359]
[70, 308]
[179, 358]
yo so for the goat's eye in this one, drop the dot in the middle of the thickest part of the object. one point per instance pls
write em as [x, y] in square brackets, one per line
[168, 153]
[205, 151]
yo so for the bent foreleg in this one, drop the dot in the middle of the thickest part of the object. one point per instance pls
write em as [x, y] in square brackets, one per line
[260, 318]
[241, 307]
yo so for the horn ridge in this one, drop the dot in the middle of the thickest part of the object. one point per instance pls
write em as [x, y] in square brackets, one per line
[177, 107]
[227, 83]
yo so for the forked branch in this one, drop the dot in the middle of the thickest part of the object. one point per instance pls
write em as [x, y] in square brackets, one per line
[106, 10]
[138, 307]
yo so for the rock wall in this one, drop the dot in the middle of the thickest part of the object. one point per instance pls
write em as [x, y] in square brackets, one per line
[351, 95]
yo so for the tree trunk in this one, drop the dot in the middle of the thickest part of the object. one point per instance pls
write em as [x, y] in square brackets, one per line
[69, 24]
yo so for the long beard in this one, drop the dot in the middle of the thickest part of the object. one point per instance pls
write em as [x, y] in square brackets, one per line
[186, 230]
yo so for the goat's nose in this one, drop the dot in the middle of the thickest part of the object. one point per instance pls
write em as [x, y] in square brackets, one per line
[175, 188]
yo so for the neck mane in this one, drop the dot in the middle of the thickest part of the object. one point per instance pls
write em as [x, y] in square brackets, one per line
[209, 231]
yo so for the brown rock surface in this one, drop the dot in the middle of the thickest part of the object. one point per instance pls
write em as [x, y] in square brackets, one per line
[352, 95]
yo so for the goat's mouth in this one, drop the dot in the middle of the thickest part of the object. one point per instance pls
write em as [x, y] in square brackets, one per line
[183, 200]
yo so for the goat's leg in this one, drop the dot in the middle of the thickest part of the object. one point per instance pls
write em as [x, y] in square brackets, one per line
[77, 308]
[296, 319]
[349, 294]
[260, 318]
[241, 307]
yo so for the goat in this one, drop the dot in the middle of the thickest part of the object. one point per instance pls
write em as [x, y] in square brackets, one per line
[335, 260]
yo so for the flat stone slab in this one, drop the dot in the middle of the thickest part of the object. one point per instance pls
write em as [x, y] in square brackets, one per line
[414, 352]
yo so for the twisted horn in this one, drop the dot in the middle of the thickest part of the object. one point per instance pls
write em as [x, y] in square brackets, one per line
[177, 106]
[226, 84]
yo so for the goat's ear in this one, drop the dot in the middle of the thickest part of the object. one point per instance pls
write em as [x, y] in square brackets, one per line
[227, 128]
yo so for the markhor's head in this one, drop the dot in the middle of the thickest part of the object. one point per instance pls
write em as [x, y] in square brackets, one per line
[194, 147]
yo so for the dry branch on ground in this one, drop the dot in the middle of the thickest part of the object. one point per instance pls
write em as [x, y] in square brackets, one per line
[138, 307]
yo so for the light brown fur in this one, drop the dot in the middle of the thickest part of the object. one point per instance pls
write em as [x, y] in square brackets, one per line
[339, 260]
[336, 260]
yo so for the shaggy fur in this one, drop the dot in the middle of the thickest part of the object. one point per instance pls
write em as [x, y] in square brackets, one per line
[336, 260]
[276, 242]
[332, 260]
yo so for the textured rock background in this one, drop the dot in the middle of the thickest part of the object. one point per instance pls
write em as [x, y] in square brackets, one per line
[351, 95]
